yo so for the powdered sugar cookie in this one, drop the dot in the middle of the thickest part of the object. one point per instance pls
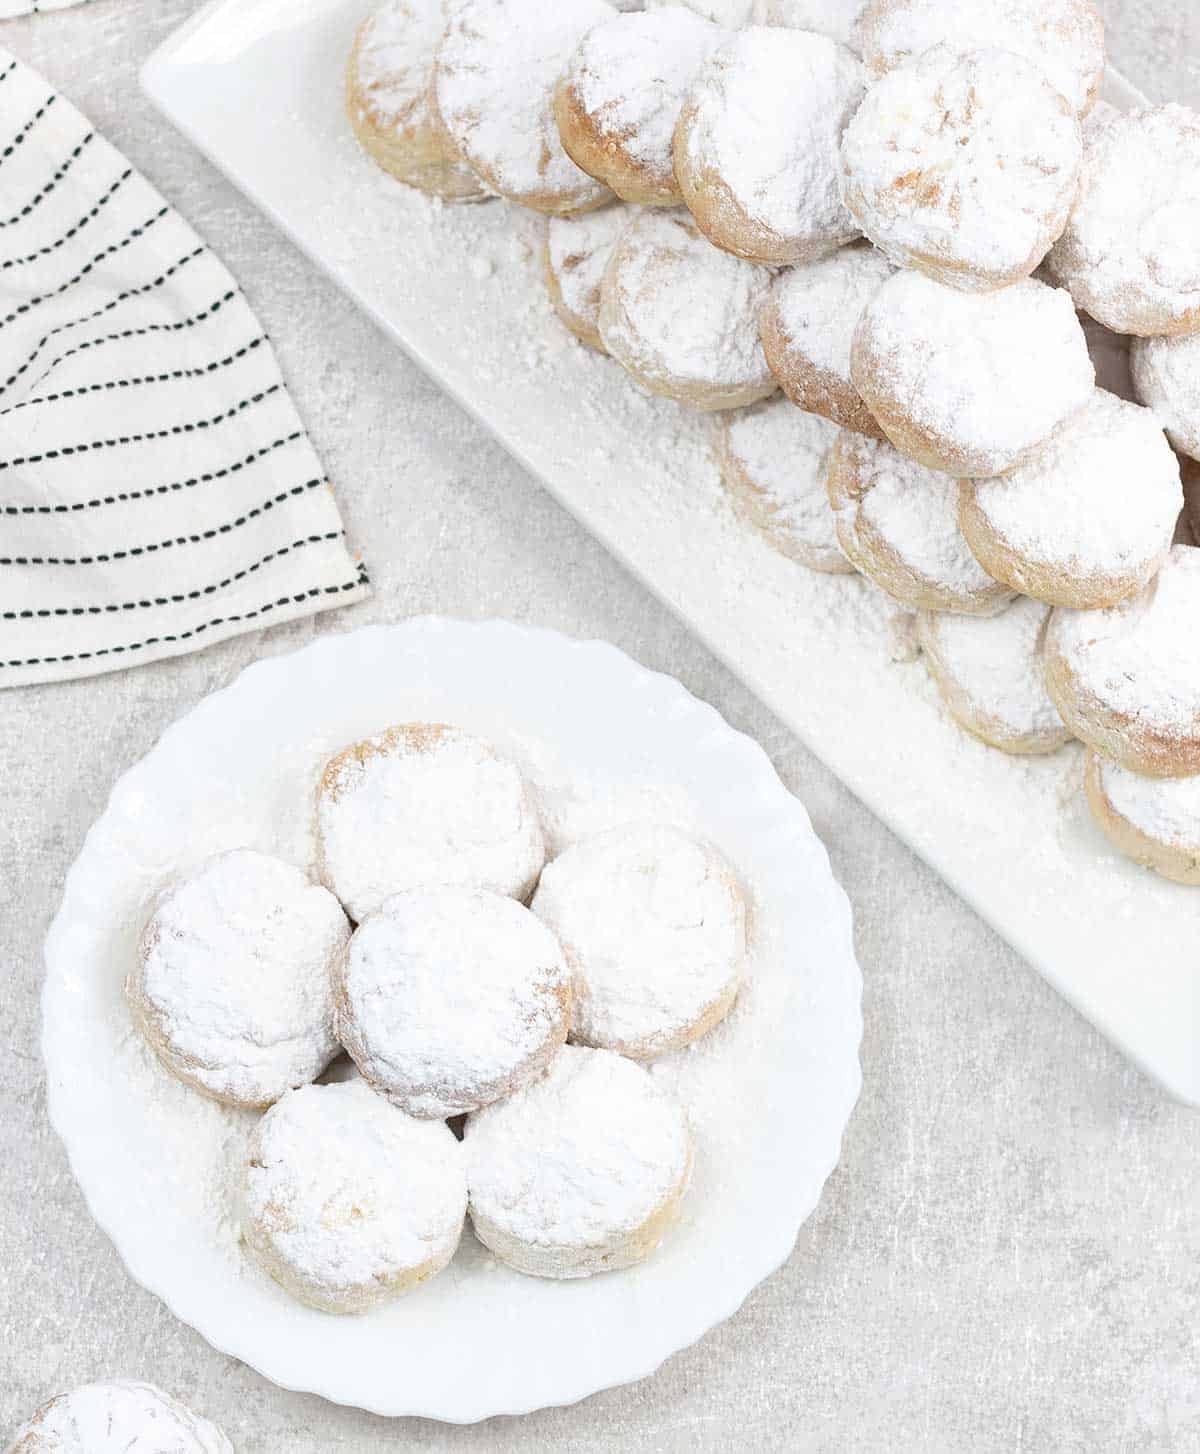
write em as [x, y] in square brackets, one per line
[1130, 254]
[118, 1418]
[424, 804]
[389, 99]
[989, 672]
[1064, 37]
[773, 469]
[838, 19]
[963, 166]
[1154, 821]
[898, 523]
[682, 317]
[807, 325]
[1166, 378]
[970, 383]
[448, 999]
[348, 1202]
[756, 147]
[1127, 680]
[576, 253]
[580, 1172]
[620, 96]
[494, 81]
[653, 925]
[231, 986]
[1090, 519]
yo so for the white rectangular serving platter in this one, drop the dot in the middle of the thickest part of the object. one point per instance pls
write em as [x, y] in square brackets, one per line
[257, 86]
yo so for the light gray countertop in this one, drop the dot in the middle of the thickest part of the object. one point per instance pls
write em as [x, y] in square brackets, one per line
[1007, 1258]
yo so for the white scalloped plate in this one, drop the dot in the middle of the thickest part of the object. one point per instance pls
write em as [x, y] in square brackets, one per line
[769, 1092]
[257, 85]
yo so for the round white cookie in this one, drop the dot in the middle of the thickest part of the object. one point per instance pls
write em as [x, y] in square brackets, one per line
[580, 1172]
[424, 804]
[576, 253]
[231, 987]
[1154, 821]
[348, 1202]
[118, 1417]
[1166, 378]
[448, 999]
[653, 925]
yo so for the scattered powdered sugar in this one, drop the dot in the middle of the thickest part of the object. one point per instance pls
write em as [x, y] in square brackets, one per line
[653, 924]
[1142, 657]
[577, 252]
[779, 452]
[1164, 809]
[344, 1194]
[963, 165]
[118, 1418]
[395, 60]
[818, 304]
[674, 309]
[996, 663]
[588, 1152]
[424, 805]
[1101, 500]
[448, 997]
[1166, 376]
[890, 500]
[761, 125]
[1064, 37]
[836, 18]
[630, 75]
[991, 375]
[232, 983]
[496, 72]
[1129, 253]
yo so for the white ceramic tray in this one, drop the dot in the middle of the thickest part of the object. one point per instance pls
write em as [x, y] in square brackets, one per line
[602, 741]
[256, 84]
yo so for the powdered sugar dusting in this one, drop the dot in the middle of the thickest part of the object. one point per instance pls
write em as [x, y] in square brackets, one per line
[395, 60]
[447, 998]
[577, 252]
[349, 1194]
[118, 1418]
[963, 165]
[233, 978]
[1164, 809]
[1166, 376]
[836, 18]
[653, 924]
[496, 72]
[818, 304]
[589, 1152]
[762, 123]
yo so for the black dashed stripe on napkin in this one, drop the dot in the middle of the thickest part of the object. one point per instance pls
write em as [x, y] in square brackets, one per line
[157, 489]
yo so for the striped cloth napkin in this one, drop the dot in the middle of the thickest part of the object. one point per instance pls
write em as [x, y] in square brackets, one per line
[157, 489]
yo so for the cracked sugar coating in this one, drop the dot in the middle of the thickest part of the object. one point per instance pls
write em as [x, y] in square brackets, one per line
[963, 166]
[620, 96]
[682, 317]
[1154, 821]
[231, 987]
[448, 999]
[576, 253]
[653, 925]
[389, 99]
[1127, 680]
[970, 383]
[756, 147]
[807, 325]
[118, 1417]
[898, 523]
[424, 804]
[1166, 378]
[773, 469]
[494, 81]
[348, 1202]
[1065, 38]
[989, 672]
[1090, 519]
[1130, 254]
[582, 1171]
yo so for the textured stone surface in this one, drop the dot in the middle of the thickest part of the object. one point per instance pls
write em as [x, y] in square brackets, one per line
[1008, 1257]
